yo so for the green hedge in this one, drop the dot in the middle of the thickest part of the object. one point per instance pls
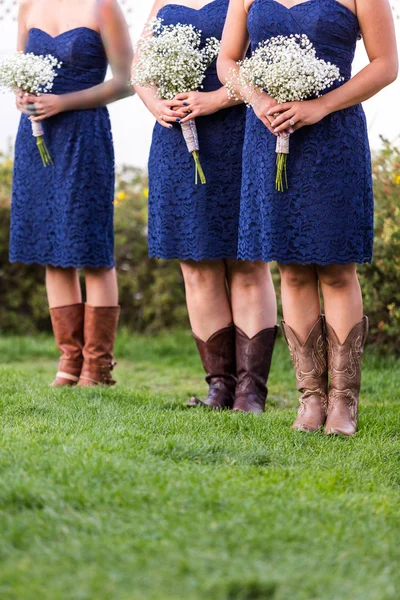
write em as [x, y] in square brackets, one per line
[152, 294]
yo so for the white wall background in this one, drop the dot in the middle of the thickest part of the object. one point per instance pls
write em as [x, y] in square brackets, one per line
[132, 124]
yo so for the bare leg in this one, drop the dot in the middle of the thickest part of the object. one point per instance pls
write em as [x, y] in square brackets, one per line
[342, 297]
[300, 298]
[101, 287]
[206, 297]
[252, 295]
[63, 287]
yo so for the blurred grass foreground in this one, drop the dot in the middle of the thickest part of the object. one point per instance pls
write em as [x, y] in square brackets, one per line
[124, 494]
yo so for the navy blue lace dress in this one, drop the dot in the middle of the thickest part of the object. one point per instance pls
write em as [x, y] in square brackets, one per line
[326, 216]
[62, 215]
[189, 221]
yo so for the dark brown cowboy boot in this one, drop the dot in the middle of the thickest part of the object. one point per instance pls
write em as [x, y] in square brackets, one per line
[253, 363]
[218, 357]
[67, 322]
[311, 367]
[344, 362]
[100, 330]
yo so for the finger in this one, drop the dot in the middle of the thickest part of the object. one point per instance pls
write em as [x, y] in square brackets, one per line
[190, 117]
[280, 108]
[170, 113]
[30, 99]
[38, 118]
[286, 127]
[169, 119]
[183, 96]
[164, 124]
[285, 116]
[267, 125]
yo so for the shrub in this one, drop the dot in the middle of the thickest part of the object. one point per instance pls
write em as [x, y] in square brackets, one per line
[381, 280]
[151, 291]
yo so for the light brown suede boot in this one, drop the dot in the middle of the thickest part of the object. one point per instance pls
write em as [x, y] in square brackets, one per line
[345, 361]
[218, 358]
[67, 322]
[100, 330]
[253, 363]
[311, 368]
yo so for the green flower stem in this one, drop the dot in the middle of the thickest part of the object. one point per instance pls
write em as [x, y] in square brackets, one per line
[199, 170]
[44, 152]
[281, 172]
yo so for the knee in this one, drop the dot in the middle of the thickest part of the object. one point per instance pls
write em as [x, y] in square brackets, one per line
[98, 273]
[337, 276]
[201, 275]
[297, 276]
[249, 274]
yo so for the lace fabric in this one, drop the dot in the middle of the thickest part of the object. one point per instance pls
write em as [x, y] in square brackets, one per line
[189, 221]
[63, 215]
[326, 216]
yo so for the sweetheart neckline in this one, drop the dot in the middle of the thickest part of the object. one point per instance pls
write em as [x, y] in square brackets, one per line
[289, 8]
[54, 37]
[189, 7]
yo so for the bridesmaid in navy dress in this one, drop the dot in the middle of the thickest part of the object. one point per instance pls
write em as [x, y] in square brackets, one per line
[232, 305]
[323, 225]
[62, 215]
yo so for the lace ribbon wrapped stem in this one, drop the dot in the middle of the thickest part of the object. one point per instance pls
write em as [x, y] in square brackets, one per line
[189, 131]
[38, 133]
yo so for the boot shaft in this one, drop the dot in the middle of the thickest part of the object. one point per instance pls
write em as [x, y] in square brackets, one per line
[98, 352]
[345, 360]
[253, 364]
[309, 359]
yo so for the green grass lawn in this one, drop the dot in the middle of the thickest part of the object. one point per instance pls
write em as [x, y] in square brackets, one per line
[125, 494]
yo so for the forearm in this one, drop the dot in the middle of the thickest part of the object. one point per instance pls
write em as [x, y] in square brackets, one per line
[147, 96]
[97, 96]
[222, 99]
[228, 73]
[368, 82]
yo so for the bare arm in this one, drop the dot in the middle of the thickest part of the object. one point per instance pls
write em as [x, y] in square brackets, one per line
[376, 22]
[115, 35]
[198, 103]
[235, 43]
[22, 39]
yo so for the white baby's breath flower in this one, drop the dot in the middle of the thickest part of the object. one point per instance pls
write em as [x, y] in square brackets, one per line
[172, 58]
[27, 72]
[286, 67]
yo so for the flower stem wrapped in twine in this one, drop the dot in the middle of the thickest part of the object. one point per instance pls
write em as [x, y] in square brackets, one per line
[189, 131]
[38, 133]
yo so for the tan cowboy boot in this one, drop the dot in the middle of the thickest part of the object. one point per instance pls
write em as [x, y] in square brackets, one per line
[253, 363]
[218, 357]
[67, 322]
[310, 365]
[344, 361]
[100, 331]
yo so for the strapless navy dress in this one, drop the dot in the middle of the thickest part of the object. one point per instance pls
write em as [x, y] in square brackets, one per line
[189, 221]
[326, 215]
[62, 215]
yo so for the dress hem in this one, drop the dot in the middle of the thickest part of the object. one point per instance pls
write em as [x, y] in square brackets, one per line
[175, 256]
[312, 261]
[67, 265]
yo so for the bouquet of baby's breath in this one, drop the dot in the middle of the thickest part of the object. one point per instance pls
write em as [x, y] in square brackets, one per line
[172, 59]
[30, 74]
[288, 69]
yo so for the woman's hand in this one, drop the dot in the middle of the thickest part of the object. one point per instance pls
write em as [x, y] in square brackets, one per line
[40, 107]
[262, 107]
[164, 112]
[198, 104]
[294, 115]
